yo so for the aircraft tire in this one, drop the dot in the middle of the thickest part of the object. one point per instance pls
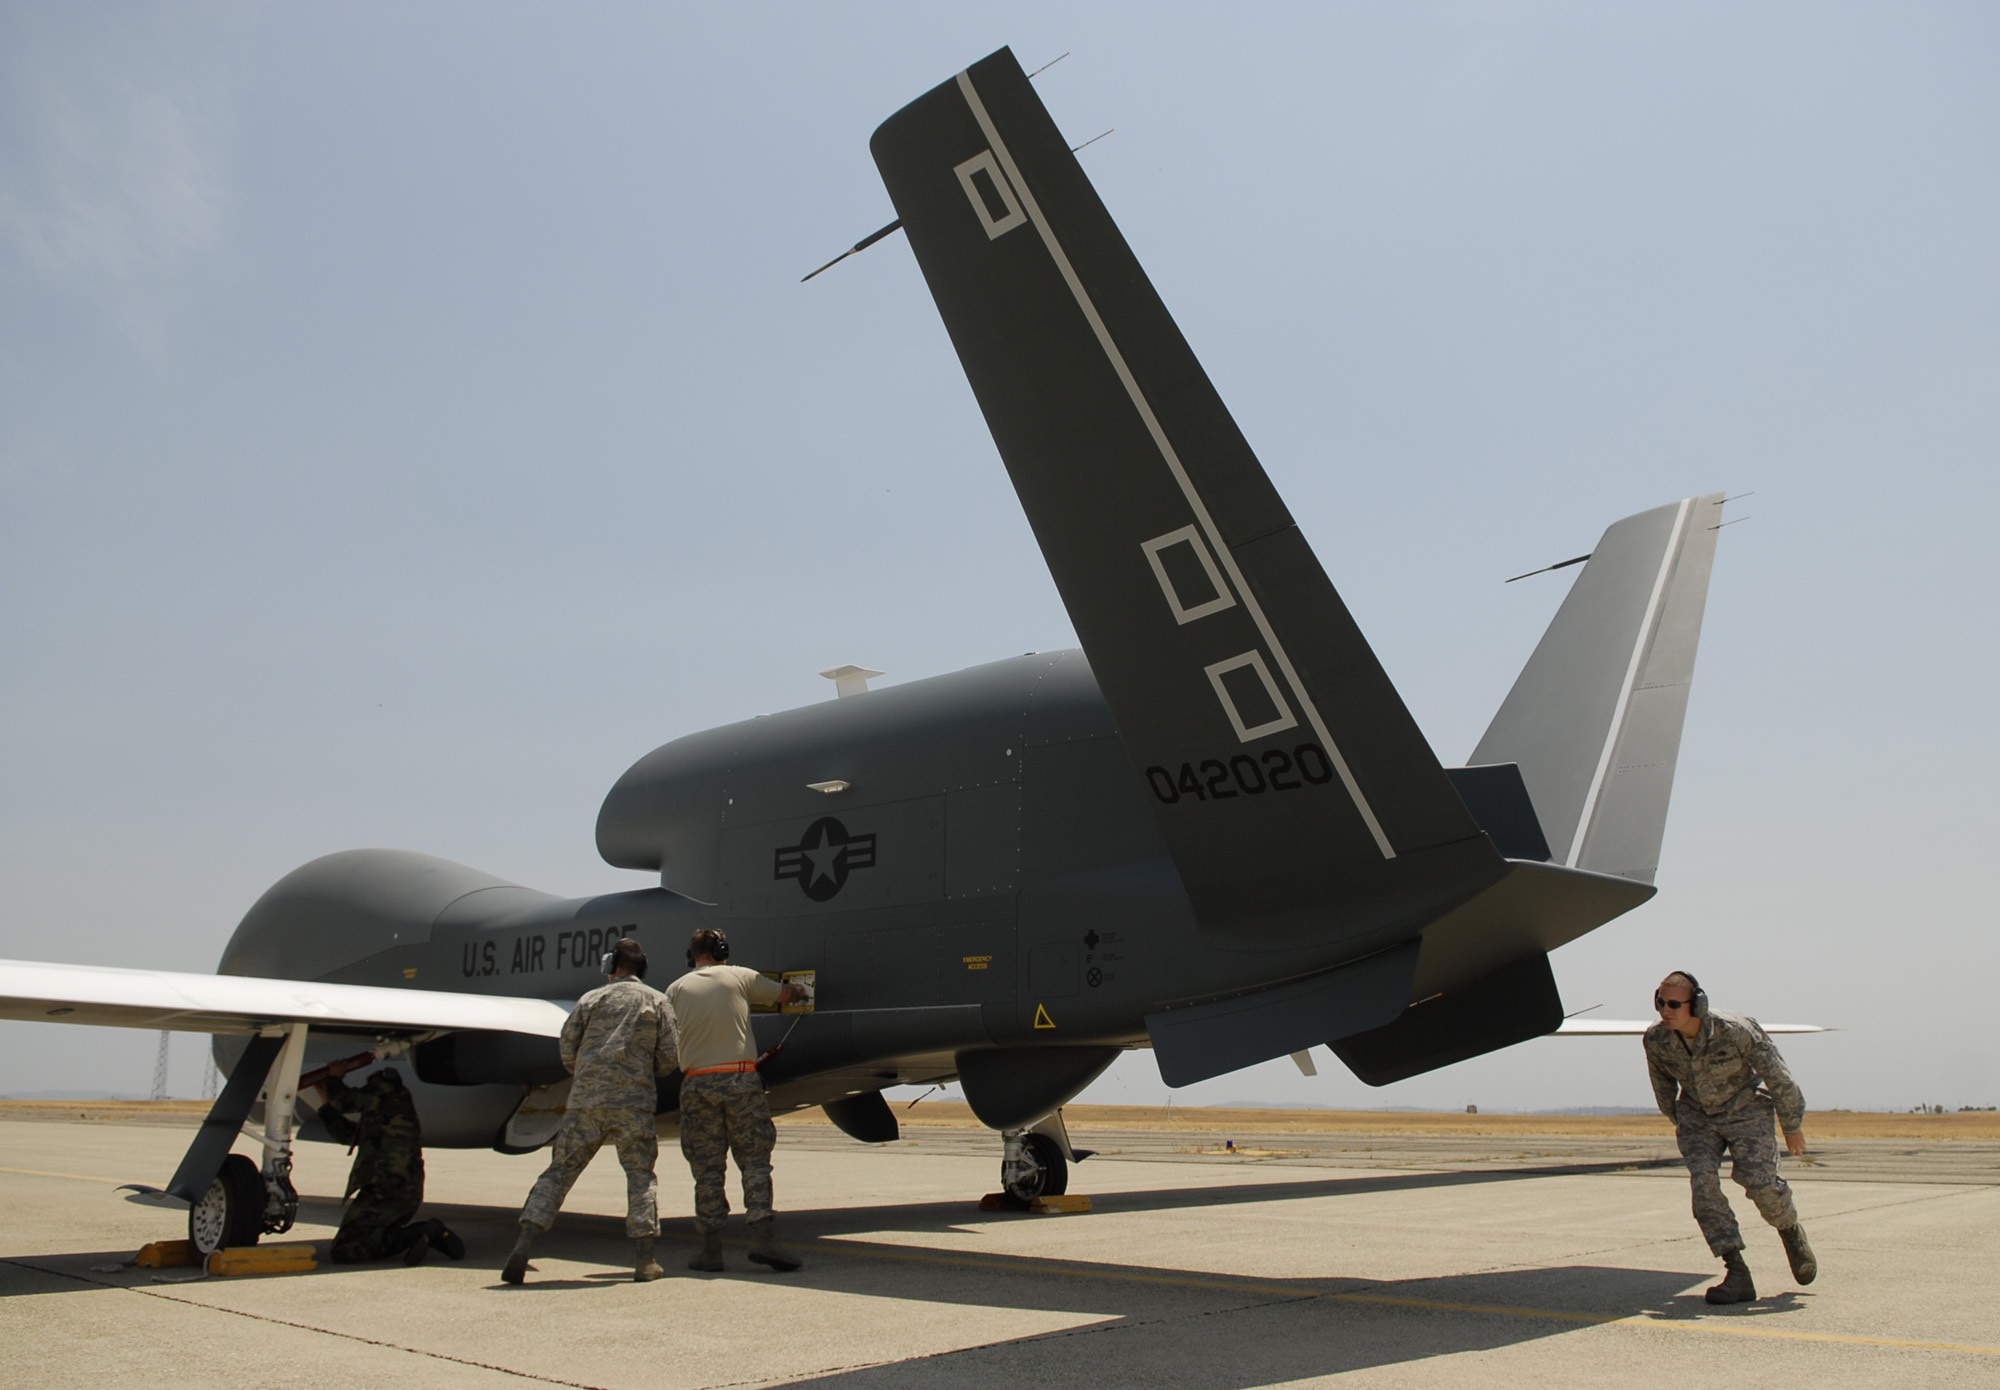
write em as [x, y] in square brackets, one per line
[1050, 1175]
[231, 1212]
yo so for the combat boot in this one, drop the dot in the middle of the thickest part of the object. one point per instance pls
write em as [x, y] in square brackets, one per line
[645, 1269]
[708, 1259]
[765, 1250]
[1805, 1268]
[445, 1241]
[414, 1242]
[516, 1269]
[1735, 1286]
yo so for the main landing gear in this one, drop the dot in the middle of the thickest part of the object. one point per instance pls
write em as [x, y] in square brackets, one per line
[1035, 1162]
[1032, 1165]
[231, 1212]
[244, 1202]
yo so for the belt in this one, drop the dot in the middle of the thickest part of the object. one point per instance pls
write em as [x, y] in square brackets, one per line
[726, 1066]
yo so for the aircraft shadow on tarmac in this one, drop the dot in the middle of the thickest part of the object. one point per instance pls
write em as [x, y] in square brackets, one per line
[1146, 1322]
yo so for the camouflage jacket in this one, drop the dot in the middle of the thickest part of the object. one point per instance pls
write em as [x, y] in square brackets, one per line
[388, 1145]
[1728, 1067]
[617, 1040]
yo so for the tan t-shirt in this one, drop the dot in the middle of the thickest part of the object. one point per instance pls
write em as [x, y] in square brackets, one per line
[712, 1006]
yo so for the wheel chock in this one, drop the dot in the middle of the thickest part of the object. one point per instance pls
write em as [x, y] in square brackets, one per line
[1043, 1206]
[1064, 1205]
[167, 1254]
[264, 1259]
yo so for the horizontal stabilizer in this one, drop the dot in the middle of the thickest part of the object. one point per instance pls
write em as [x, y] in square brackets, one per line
[42, 992]
[1511, 1005]
[1213, 1039]
[1291, 783]
[1594, 719]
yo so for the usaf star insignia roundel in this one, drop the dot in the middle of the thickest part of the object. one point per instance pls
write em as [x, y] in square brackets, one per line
[823, 858]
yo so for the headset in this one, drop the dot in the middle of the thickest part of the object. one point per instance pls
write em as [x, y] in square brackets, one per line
[708, 942]
[1698, 1006]
[609, 964]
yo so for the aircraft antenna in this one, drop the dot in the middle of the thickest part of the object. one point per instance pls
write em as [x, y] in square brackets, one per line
[1049, 64]
[1558, 565]
[861, 245]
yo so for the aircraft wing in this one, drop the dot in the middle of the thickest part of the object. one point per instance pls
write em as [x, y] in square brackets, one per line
[44, 991]
[1617, 1027]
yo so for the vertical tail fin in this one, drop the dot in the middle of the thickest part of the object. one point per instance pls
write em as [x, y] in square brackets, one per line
[1233, 668]
[1594, 719]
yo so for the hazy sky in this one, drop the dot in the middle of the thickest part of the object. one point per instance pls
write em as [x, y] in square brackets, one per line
[410, 416]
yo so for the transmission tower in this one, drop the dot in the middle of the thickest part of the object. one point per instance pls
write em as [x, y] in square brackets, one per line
[160, 1067]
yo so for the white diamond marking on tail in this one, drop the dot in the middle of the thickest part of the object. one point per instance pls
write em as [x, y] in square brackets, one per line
[968, 172]
[1185, 613]
[1282, 720]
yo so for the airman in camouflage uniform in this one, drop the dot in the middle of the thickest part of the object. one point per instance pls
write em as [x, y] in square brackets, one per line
[617, 1040]
[723, 1109]
[1720, 1079]
[378, 1120]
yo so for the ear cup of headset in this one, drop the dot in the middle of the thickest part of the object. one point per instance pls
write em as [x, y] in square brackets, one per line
[708, 942]
[1699, 1006]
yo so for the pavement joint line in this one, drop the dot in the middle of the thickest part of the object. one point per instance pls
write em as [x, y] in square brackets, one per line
[1266, 1289]
[303, 1326]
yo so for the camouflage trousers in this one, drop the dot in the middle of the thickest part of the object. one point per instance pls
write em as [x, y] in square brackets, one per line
[371, 1224]
[725, 1113]
[584, 1131]
[1750, 1138]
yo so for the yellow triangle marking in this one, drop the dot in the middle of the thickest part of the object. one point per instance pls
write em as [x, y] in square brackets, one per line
[1042, 1019]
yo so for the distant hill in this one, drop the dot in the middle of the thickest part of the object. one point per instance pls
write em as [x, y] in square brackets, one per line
[1425, 1109]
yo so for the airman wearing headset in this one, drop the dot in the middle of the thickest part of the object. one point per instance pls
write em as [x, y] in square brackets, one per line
[723, 1109]
[1719, 1078]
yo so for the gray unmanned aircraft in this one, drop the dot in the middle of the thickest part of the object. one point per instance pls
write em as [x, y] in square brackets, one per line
[1214, 831]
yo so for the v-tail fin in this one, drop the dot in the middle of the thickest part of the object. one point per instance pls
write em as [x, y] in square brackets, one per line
[1290, 780]
[1594, 719]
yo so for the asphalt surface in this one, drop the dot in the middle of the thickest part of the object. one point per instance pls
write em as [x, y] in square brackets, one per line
[1379, 1261]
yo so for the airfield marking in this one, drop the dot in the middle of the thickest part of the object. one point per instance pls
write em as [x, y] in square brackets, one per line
[41, 1173]
[1171, 457]
[1433, 1305]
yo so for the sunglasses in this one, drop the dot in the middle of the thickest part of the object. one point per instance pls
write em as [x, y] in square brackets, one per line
[1660, 1003]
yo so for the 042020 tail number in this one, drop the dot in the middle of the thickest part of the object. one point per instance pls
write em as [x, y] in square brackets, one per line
[1276, 770]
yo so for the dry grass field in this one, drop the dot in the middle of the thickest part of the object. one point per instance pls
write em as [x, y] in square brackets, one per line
[938, 1114]
[1826, 1124]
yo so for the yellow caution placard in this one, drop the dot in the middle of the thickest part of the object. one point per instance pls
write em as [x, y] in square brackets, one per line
[808, 978]
[1042, 1019]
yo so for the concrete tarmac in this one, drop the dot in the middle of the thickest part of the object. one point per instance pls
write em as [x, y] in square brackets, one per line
[1533, 1265]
